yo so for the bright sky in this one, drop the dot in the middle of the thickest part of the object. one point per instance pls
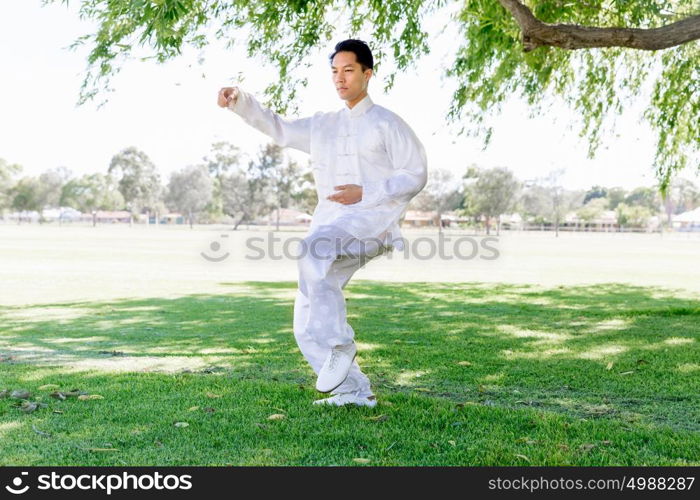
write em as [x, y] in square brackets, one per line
[169, 111]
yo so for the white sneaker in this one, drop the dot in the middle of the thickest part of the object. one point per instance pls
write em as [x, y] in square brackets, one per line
[336, 367]
[348, 398]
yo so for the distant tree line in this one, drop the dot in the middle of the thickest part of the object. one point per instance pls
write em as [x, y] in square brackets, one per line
[225, 187]
[484, 194]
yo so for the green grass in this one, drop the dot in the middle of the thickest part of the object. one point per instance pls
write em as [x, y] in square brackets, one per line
[580, 375]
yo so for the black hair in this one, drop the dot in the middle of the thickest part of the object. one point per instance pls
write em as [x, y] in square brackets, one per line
[363, 54]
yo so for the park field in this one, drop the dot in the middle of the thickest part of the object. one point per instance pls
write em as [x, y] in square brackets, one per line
[577, 350]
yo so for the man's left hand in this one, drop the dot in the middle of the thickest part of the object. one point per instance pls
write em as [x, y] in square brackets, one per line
[349, 194]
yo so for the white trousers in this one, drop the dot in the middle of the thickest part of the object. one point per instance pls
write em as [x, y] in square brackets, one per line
[328, 257]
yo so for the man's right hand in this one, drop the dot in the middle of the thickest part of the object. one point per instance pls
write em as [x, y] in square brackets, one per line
[226, 94]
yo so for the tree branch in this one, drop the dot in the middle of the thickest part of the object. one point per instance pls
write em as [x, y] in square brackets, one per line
[535, 33]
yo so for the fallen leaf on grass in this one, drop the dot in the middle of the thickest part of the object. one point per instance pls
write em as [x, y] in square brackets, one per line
[46, 387]
[377, 418]
[466, 403]
[20, 394]
[464, 363]
[587, 447]
[181, 424]
[212, 395]
[523, 457]
[63, 395]
[30, 406]
[452, 442]
[361, 460]
[193, 408]
[89, 397]
[610, 365]
[526, 440]
[277, 416]
[41, 433]
[627, 373]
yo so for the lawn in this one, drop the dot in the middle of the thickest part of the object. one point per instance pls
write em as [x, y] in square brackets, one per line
[465, 374]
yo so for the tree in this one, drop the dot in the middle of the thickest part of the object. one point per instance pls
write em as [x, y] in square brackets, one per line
[190, 190]
[682, 195]
[494, 193]
[616, 195]
[138, 180]
[644, 197]
[244, 197]
[8, 171]
[223, 158]
[305, 197]
[635, 216]
[561, 200]
[539, 50]
[535, 204]
[26, 196]
[278, 174]
[592, 210]
[548, 201]
[595, 192]
[90, 193]
[52, 182]
[441, 193]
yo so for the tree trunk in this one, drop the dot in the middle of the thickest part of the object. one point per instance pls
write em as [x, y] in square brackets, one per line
[239, 222]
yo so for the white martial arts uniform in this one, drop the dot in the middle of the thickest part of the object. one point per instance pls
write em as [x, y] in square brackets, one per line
[366, 145]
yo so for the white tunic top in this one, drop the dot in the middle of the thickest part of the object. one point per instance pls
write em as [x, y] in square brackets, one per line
[366, 145]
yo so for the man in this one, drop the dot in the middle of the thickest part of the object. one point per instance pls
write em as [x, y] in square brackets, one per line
[367, 165]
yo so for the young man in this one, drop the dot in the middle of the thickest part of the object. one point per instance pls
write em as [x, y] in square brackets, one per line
[367, 165]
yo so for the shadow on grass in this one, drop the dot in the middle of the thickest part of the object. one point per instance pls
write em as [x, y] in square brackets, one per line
[618, 352]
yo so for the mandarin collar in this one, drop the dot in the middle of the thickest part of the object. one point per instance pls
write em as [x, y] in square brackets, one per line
[360, 107]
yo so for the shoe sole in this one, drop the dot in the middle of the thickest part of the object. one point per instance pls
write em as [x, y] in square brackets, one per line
[321, 402]
[339, 383]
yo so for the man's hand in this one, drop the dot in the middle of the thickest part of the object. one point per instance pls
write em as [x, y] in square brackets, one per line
[349, 194]
[226, 94]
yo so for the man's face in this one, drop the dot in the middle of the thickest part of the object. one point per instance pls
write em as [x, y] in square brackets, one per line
[349, 79]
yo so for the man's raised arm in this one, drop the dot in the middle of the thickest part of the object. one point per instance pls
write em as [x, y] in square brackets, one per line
[284, 132]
